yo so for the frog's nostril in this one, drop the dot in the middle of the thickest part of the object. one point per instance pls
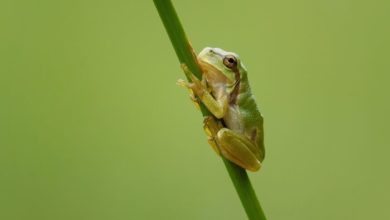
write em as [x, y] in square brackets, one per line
[211, 51]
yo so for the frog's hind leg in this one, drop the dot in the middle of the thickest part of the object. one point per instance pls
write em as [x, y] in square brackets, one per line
[231, 145]
[239, 149]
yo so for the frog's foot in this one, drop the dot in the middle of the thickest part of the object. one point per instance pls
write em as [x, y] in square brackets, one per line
[194, 99]
[238, 149]
[183, 83]
[211, 127]
[195, 84]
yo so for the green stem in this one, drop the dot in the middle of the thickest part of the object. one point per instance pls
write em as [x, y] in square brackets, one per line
[186, 55]
[245, 191]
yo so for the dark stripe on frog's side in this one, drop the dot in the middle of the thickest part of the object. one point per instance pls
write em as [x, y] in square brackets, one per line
[236, 89]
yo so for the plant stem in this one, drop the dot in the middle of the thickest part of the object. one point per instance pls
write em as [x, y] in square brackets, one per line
[186, 55]
[245, 191]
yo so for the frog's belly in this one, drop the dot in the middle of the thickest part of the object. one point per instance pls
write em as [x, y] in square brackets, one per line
[233, 119]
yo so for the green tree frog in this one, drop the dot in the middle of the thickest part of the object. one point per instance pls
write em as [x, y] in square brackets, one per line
[236, 128]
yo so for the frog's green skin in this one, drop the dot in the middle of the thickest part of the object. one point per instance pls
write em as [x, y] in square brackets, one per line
[225, 91]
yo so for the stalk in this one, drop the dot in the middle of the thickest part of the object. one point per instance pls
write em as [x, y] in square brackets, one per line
[186, 55]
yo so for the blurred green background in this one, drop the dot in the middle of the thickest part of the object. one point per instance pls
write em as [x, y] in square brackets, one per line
[92, 125]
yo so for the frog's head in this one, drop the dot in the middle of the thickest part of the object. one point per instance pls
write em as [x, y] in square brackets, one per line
[220, 65]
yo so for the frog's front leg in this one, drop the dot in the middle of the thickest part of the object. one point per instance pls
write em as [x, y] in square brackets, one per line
[217, 107]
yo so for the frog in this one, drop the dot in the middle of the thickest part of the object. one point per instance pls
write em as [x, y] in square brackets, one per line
[235, 126]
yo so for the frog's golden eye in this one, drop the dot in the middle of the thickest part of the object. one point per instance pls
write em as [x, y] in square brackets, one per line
[230, 61]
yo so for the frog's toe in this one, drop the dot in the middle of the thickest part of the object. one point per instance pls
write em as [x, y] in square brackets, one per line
[182, 83]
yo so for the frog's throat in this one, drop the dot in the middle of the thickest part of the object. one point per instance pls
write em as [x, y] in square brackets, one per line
[213, 74]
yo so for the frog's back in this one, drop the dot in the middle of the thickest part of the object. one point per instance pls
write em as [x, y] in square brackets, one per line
[248, 111]
[245, 106]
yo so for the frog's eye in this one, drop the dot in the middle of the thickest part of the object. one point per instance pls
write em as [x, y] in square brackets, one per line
[230, 61]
